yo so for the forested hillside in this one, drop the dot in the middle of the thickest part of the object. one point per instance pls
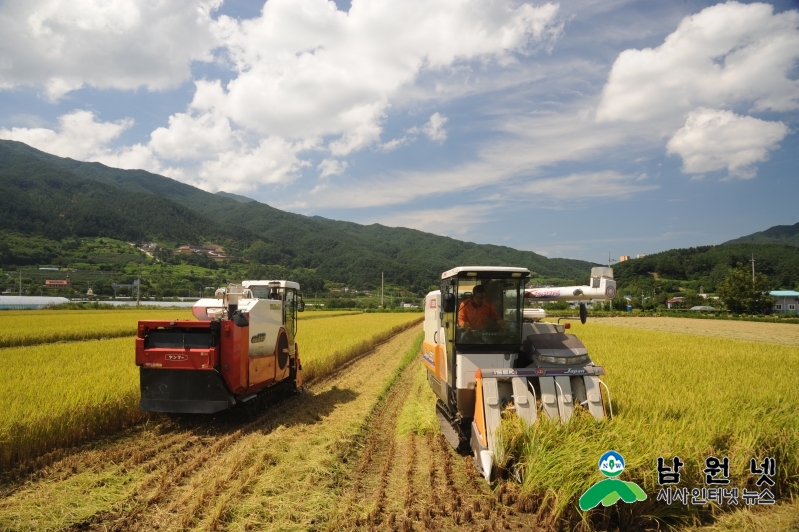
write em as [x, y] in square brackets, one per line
[779, 234]
[43, 199]
[61, 198]
[706, 266]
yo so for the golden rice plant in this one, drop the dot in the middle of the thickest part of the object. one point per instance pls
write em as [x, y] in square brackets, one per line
[54, 395]
[319, 314]
[57, 394]
[334, 342]
[32, 327]
[672, 395]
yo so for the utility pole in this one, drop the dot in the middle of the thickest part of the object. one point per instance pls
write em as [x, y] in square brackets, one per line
[382, 284]
[138, 292]
[753, 271]
[20, 282]
[611, 299]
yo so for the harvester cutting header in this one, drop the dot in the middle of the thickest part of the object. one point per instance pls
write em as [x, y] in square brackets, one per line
[241, 349]
[486, 354]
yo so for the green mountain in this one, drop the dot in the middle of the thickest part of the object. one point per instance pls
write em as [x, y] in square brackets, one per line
[706, 266]
[131, 204]
[779, 234]
[44, 199]
[240, 199]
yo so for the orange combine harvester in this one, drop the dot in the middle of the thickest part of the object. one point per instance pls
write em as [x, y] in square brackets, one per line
[241, 349]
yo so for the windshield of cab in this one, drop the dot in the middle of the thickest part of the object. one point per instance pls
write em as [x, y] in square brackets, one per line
[489, 311]
[265, 292]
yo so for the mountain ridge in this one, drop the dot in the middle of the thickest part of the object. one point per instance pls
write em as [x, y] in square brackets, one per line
[338, 250]
[778, 234]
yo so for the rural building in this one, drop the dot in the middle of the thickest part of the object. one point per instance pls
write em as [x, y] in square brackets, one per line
[675, 301]
[624, 258]
[57, 283]
[786, 301]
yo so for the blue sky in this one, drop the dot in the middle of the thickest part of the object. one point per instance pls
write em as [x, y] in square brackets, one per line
[572, 129]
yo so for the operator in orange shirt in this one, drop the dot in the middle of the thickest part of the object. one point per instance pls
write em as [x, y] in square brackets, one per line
[474, 313]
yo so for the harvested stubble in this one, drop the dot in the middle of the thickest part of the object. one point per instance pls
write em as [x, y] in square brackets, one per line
[55, 395]
[334, 342]
[33, 327]
[673, 395]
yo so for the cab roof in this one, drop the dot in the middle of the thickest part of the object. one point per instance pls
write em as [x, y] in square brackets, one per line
[482, 270]
[282, 284]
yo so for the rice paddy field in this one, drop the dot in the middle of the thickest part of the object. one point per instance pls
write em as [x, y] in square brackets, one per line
[25, 327]
[673, 394]
[59, 393]
[336, 459]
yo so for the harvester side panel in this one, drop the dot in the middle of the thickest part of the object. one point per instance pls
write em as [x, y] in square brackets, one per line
[234, 360]
[262, 371]
[266, 322]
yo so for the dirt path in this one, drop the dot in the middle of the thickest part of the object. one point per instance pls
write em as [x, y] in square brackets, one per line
[328, 459]
[775, 333]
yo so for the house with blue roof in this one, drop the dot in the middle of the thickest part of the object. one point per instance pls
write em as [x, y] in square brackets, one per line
[785, 301]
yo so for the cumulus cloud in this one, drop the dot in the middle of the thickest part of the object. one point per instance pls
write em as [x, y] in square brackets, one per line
[79, 135]
[306, 75]
[306, 69]
[63, 45]
[714, 139]
[330, 167]
[726, 54]
[434, 128]
[273, 161]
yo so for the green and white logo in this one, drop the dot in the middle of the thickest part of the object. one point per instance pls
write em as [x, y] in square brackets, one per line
[610, 490]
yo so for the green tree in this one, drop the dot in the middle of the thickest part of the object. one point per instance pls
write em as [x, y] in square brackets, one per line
[741, 295]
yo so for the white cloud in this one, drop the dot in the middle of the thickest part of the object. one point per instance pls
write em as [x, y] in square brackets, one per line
[82, 137]
[308, 70]
[393, 144]
[457, 220]
[79, 135]
[585, 186]
[330, 167]
[273, 161]
[63, 45]
[714, 139]
[726, 54]
[434, 128]
[532, 144]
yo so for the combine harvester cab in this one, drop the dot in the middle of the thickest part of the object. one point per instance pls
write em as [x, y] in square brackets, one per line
[242, 347]
[486, 354]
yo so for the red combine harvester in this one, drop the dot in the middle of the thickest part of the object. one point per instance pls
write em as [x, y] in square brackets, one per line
[241, 349]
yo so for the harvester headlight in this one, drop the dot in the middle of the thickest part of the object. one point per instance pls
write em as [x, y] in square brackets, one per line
[582, 359]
